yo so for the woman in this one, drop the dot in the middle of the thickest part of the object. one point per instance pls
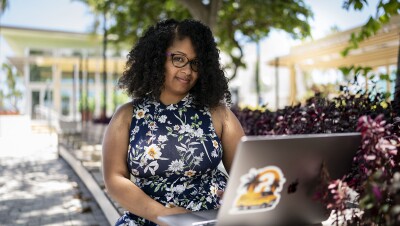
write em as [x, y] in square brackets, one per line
[173, 135]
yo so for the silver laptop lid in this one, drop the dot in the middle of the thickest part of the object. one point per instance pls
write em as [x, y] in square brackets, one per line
[273, 179]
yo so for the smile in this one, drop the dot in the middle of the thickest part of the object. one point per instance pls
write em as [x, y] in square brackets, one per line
[183, 80]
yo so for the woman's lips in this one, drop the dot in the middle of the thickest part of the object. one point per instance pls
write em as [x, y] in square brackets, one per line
[183, 80]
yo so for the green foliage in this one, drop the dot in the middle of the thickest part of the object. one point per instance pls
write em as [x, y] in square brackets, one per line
[129, 18]
[353, 73]
[238, 21]
[3, 6]
[87, 103]
[119, 98]
[385, 10]
[11, 94]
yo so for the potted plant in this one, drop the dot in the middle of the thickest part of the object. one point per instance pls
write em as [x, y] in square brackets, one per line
[86, 107]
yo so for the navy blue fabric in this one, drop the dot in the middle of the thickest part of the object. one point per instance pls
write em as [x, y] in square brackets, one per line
[173, 156]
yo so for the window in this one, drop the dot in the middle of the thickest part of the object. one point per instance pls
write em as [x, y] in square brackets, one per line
[39, 73]
[65, 99]
[40, 52]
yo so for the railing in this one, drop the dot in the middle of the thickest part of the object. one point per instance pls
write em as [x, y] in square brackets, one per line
[68, 130]
[60, 123]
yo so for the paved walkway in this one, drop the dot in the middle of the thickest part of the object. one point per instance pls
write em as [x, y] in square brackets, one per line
[38, 188]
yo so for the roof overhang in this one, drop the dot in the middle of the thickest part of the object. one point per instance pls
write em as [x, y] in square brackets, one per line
[20, 39]
[70, 64]
[378, 50]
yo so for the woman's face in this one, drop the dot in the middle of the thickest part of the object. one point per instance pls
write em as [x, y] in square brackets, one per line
[179, 79]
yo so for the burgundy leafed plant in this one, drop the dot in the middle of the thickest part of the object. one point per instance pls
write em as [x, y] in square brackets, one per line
[375, 177]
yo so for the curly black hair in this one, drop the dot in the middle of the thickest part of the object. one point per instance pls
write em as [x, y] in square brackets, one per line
[145, 67]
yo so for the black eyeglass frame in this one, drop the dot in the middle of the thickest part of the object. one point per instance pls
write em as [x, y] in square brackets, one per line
[191, 62]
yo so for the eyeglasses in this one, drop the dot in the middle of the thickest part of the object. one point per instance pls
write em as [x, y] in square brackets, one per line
[180, 60]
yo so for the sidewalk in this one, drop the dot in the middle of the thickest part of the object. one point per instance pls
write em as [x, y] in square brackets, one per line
[38, 188]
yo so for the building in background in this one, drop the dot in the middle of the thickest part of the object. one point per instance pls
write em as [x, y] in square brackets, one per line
[61, 69]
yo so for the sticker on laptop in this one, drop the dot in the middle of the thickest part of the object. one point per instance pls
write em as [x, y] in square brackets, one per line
[259, 190]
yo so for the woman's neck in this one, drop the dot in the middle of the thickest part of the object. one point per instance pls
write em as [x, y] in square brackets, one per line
[171, 99]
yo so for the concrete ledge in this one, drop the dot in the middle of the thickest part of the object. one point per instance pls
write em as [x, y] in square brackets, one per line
[15, 125]
[105, 204]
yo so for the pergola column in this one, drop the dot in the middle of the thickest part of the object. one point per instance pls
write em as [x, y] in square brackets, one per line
[56, 88]
[292, 85]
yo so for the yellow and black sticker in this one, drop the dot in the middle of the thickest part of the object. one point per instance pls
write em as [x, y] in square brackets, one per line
[259, 190]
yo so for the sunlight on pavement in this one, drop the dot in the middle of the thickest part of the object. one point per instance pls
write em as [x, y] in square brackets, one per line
[27, 144]
[38, 187]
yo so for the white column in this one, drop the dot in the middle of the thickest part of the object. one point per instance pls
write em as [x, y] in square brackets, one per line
[110, 88]
[292, 86]
[98, 89]
[74, 102]
[56, 88]
[28, 90]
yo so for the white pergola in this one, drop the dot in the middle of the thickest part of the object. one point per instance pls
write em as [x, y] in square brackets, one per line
[379, 50]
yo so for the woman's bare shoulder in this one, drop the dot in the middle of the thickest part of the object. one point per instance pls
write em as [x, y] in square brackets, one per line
[123, 113]
[220, 112]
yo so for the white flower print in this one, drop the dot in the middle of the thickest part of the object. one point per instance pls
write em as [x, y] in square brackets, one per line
[153, 166]
[198, 132]
[215, 144]
[135, 172]
[190, 205]
[169, 196]
[143, 162]
[176, 127]
[179, 189]
[152, 152]
[171, 107]
[140, 113]
[213, 190]
[176, 166]
[132, 223]
[214, 154]
[209, 199]
[136, 129]
[162, 118]
[191, 150]
[153, 126]
[186, 129]
[162, 138]
[198, 159]
[197, 207]
[190, 173]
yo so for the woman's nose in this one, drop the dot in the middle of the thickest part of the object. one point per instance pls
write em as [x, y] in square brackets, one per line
[187, 69]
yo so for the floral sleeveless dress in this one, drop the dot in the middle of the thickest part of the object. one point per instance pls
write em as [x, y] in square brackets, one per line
[173, 155]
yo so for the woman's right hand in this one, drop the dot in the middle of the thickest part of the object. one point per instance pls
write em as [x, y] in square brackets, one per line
[171, 211]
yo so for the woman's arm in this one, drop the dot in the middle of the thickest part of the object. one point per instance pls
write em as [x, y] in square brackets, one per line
[116, 174]
[230, 131]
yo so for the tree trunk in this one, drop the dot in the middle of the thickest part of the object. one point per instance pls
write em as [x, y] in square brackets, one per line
[208, 14]
[104, 108]
[396, 98]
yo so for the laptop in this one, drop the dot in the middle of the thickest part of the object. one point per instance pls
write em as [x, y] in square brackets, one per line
[273, 180]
